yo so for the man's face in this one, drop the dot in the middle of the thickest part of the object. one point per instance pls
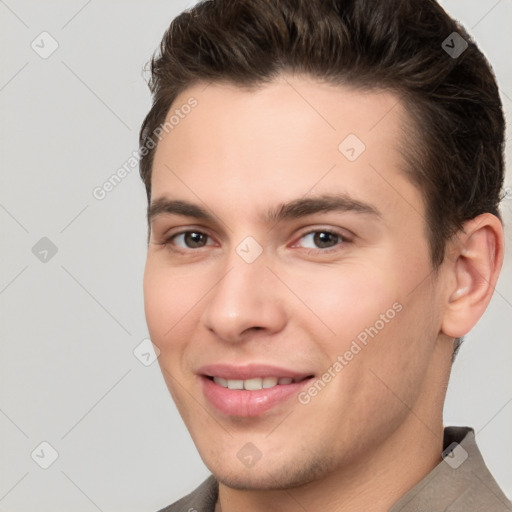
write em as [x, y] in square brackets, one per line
[288, 250]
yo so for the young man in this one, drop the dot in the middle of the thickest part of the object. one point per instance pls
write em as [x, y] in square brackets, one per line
[323, 181]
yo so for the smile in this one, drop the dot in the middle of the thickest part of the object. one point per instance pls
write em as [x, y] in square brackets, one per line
[251, 390]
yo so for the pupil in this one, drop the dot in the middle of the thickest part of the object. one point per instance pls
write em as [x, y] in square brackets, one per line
[194, 239]
[323, 239]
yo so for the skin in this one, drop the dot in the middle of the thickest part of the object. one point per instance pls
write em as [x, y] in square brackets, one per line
[376, 429]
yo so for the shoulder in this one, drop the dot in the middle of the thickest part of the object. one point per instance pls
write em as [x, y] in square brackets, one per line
[202, 499]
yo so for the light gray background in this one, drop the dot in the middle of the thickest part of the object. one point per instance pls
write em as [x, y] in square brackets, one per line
[69, 326]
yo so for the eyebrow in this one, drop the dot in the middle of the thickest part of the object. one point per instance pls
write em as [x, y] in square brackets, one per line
[295, 209]
[324, 203]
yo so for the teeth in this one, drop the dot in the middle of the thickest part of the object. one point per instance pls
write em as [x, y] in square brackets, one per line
[269, 382]
[221, 382]
[235, 384]
[252, 384]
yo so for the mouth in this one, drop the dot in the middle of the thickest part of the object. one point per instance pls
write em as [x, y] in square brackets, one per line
[249, 391]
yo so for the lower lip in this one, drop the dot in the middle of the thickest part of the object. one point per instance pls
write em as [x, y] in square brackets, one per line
[243, 403]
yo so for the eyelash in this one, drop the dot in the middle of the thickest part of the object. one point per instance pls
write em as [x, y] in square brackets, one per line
[343, 239]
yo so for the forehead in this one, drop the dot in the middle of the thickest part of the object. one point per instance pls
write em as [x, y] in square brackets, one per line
[281, 141]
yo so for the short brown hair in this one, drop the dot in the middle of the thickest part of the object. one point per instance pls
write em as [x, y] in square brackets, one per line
[455, 157]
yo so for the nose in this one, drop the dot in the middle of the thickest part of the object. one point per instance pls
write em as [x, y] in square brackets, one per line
[245, 300]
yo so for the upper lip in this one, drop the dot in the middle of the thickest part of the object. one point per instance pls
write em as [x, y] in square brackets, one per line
[249, 371]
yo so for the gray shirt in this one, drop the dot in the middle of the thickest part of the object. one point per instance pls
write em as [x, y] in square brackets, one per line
[460, 483]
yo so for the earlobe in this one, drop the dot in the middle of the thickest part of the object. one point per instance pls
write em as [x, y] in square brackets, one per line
[477, 257]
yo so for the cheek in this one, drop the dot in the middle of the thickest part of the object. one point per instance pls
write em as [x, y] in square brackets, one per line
[169, 302]
[367, 311]
[343, 301]
[398, 349]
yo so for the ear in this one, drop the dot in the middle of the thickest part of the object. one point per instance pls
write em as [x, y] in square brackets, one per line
[473, 264]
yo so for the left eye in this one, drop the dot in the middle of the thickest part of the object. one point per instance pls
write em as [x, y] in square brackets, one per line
[191, 240]
[321, 240]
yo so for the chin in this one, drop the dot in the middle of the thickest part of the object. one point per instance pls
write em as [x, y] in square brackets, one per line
[264, 478]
